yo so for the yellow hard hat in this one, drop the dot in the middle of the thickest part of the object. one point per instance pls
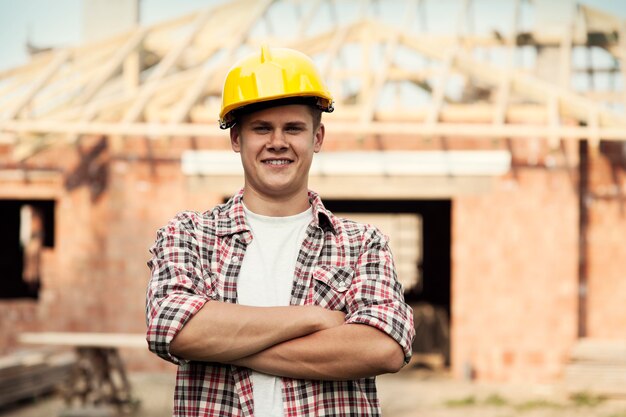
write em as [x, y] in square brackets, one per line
[271, 75]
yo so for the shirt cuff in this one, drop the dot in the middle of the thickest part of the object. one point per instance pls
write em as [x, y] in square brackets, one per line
[380, 319]
[173, 313]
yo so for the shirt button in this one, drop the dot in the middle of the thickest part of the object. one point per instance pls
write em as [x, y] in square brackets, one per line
[235, 259]
[236, 237]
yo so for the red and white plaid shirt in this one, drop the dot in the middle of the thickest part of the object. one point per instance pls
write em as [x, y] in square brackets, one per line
[342, 265]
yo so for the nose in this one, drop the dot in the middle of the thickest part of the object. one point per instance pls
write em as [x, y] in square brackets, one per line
[277, 141]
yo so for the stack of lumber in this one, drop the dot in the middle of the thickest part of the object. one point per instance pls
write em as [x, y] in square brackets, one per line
[28, 374]
[597, 366]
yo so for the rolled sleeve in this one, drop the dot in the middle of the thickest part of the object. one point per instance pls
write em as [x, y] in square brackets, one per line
[176, 291]
[376, 297]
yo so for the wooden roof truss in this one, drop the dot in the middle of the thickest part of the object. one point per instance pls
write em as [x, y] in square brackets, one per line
[388, 78]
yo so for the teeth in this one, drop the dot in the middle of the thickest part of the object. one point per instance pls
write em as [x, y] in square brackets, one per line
[277, 162]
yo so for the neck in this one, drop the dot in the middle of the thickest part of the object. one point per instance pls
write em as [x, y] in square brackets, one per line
[275, 206]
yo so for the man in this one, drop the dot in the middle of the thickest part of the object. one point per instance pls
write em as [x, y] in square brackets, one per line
[269, 304]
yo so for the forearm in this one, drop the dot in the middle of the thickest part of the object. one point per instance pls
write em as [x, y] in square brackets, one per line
[350, 351]
[222, 332]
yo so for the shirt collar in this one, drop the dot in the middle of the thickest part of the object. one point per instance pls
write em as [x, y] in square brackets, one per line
[232, 219]
[322, 218]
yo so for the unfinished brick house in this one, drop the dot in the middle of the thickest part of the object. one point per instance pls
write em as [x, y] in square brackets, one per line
[494, 159]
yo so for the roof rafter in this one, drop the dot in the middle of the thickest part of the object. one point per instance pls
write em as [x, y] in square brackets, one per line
[177, 78]
[193, 94]
[369, 99]
[60, 59]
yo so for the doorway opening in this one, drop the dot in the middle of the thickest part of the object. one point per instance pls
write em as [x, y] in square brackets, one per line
[27, 228]
[428, 256]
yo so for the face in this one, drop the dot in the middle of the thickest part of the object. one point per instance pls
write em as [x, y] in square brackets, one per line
[277, 147]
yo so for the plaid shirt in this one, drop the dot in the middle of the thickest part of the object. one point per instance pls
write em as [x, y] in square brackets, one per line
[342, 265]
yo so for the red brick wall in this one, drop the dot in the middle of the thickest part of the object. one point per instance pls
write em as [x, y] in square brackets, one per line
[139, 203]
[514, 278]
[607, 254]
[514, 264]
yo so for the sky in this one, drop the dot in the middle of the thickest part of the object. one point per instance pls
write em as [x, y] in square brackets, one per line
[58, 22]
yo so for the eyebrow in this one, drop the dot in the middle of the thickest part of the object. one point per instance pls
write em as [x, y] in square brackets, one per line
[295, 124]
[260, 122]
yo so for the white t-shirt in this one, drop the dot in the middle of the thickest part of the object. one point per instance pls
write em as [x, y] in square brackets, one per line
[265, 280]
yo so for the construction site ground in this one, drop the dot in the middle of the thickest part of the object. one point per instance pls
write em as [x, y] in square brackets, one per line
[410, 393]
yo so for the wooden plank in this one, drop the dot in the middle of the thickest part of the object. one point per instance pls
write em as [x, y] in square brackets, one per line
[308, 18]
[467, 130]
[106, 340]
[504, 87]
[594, 136]
[60, 59]
[525, 85]
[151, 85]
[451, 113]
[27, 375]
[554, 122]
[113, 65]
[439, 90]
[622, 59]
[597, 366]
[598, 350]
[333, 49]
[181, 111]
[369, 100]
[565, 77]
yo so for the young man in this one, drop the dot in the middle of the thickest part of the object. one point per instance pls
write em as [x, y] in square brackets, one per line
[269, 304]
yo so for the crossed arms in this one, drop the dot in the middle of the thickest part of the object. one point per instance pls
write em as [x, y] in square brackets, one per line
[306, 342]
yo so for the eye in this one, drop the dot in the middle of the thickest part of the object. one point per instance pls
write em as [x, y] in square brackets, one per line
[294, 129]
[261, 129]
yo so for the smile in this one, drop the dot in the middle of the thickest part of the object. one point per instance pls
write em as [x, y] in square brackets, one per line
[277, 162]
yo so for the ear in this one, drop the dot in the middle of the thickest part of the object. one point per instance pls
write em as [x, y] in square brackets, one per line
[235, 139]
[319, 138]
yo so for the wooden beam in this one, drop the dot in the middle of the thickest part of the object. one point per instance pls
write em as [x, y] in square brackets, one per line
[369, 100]
[451, 113]
[439, 90]
[504, 87]
[554, 122]
[131, 71]
[566, 58]
[246, 23]
[85, 114]
[622, 59]
[112, 340]
[502, 99]
[594, 136]
[471, 130]
[463, 20]
[525, 85]
[112, 66]
[151, 85]
[61, 58]
[77, 73]
[8, 138]
[308, 18]
[333, 49]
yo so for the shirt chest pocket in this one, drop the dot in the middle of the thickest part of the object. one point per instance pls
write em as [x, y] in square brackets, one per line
[330, 286]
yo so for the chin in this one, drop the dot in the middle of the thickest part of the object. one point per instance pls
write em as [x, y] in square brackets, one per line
[279, 189]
